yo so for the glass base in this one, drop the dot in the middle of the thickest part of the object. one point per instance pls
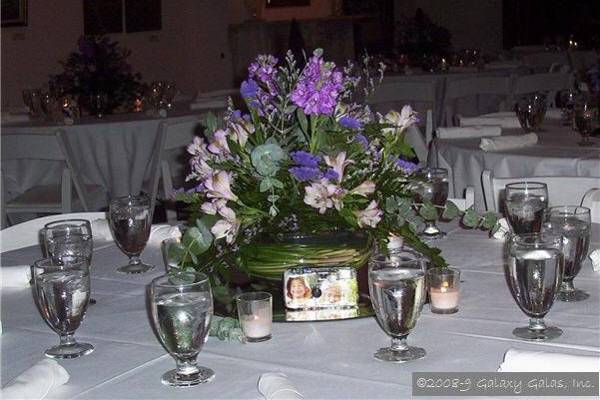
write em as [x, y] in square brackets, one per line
[138, 268]
[260, 339]
[69, 350]
[551, 332]
[432, 235]
[174, 378]
[390, 355]
[444, 310]
[572, 295]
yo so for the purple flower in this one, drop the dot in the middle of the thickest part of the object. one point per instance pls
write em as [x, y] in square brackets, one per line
[331, 175]
[350, 123]
[305, 159]
[264, 71]
[406, 166]
[364, 142]
[318, 88]
[249, 89]
[305, 173]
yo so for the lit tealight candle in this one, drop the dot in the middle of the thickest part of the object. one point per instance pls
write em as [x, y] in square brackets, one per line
[443, 290]
[255, 311]
[255, 327]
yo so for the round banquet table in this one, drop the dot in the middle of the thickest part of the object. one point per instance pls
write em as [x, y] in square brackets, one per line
[114, 152]
[555, 154]
[325, 360]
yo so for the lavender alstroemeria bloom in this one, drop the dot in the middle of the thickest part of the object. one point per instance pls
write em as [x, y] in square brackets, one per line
[248, 89]
[305, 159]
[303, 174]
[331, 175]
[350, 123]
[364, 142]
[406, 166]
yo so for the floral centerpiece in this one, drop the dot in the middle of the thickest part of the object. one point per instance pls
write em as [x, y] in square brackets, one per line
[98, 69]
[305, 159]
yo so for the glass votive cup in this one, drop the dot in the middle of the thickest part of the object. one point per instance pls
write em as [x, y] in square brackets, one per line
[171, 251]
[443, 284]
[255, 311]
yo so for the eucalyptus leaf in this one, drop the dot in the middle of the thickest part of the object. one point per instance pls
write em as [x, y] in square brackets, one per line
[265, 185]
[195, 241]
[471, 218]
[489, 220]
[450, 211]
[428, 211]
[277, 183]
[266, 158]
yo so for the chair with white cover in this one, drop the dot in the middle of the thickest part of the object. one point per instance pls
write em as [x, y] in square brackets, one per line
[395, 92]
[591, 200]
[549, 82]
[152, 176]
[177, 136]
[562, 190]
[419, 143]
[27, 233]
[475, 88]
[47, 198]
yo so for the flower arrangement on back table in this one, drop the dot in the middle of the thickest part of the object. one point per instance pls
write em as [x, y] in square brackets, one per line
[305, 159]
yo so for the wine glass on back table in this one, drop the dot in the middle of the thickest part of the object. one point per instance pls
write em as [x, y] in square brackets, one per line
[524, 205]
[130, 222]
[433, 187]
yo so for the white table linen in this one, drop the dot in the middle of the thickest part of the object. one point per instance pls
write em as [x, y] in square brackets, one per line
[36, 382]
[543, 361]
[465, 132]
[326, 360]
[555, 154]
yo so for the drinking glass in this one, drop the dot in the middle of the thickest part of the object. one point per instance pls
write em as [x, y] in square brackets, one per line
[130, 221]
[531, 111]
[585, 116]
[62, 293]
[181, 309]
[68, 237]
[433, 187]
[573, 224]
[524, 205]
[567, 103]
[397, 290]
[534, 273]
[255, 311]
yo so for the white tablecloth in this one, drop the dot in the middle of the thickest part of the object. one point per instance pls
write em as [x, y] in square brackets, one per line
[114, 152]
[325, 360]
[555, 154]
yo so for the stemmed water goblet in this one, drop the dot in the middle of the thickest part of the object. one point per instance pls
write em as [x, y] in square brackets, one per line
[584, 117]
[397, 290]
[130, 220]
[533, 274]
[524, 205]
[62, 293]
[181, 310]
[573, 224]
[432, 187]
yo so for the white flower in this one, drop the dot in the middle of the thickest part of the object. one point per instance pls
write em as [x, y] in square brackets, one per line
[218, 186]
[227, 227]
[197, 147]
[318, 196]
[338, 164]
[365, 188]
[241, 130]
[219, 144]
[200, 169]
[400, 121]
[212, 207]
[370, 216]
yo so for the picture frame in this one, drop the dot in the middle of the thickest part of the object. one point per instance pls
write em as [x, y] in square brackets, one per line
[13, 13]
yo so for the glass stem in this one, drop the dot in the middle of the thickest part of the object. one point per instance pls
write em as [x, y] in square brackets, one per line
[134, 260]
[67, 339]
[537, 324]
[567, 286]
[187, 367]
[399, 344]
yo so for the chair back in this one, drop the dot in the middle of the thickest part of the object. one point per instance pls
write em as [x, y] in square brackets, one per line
[467, 202]
[562, 190]
[474, 88]
[27, 233]
[591, 200]
[150, 184]
[549, 82]
[419, 143]
[74, 167]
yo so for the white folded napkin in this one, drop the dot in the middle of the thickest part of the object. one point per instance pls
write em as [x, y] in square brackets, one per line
[503, 230]
[15, 277]
[541, 361]
[158, 233]
[466, 132]
[36, 382]
[507, 142]
[595, 257]
[505, 120]
[209, 103]
[11, 118]
[276, 386]
[101, 230]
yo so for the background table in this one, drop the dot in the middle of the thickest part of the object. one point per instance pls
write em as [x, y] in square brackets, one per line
[113, 152]
[324, 359]
[555, 154]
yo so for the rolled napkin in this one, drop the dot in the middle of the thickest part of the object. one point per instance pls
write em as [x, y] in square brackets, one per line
[595, 257]
[507, 142]
[502, 229]
[15, 277]
[101, 230]
[505, 120]
[466, 132]
[36, 382]
[276, 386]
[541, 361]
